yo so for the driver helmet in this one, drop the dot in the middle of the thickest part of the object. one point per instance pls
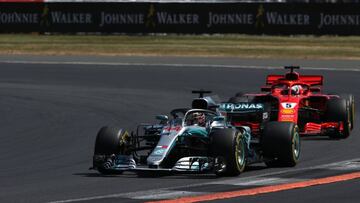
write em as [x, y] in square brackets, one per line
[199, 119]
[296, 90]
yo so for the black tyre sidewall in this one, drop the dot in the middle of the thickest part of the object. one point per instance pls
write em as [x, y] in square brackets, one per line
[352, 111]
[351, 102]
[339, 110]
[278, 143]
[108, 141]
[224, 144]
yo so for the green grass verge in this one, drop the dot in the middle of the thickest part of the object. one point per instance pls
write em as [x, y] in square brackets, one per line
[302, 47]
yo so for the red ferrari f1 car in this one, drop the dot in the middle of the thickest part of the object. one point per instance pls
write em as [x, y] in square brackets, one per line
[299, 99]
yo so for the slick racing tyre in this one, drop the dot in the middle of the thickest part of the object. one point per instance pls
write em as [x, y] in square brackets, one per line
[281, 144]
[339, 110]
[351, 102]
[110, 141]
[228, 147]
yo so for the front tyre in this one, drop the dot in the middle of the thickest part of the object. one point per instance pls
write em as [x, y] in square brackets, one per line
[110, 141]
[351, 104]
[338, 110]
[228, 147]
[281, 144]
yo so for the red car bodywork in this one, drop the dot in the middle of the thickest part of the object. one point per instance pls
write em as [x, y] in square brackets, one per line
[305, 107]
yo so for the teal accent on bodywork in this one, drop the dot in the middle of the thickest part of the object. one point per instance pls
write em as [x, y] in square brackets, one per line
[219, 118]
[196, 130]
[247, 136]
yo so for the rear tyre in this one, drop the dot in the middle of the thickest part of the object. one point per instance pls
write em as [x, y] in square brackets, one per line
[110, 141]
[281, 144]
[228, 147]
[338, 110]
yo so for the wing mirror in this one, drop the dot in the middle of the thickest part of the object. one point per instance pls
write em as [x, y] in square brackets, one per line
[315, 89]
[219, 118]
[162, 118]
[218, 122]
[265, 89]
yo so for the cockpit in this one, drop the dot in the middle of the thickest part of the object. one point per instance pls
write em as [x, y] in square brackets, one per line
[199, 117]
[291, 90]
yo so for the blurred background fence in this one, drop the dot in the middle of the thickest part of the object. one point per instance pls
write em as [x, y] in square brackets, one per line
[291, 17]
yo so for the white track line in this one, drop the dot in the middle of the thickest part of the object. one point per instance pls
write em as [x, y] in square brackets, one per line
[168, 194]
[353, 164]
[174, 65]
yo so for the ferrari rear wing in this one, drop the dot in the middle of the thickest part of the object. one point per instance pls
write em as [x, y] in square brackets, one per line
[311, 80]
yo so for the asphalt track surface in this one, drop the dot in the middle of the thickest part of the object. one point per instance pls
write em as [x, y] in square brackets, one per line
[51, 113]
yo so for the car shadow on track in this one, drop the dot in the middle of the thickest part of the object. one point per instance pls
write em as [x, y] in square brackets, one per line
[317, 138]
[255, 168]
[164, 176]
[133, 175]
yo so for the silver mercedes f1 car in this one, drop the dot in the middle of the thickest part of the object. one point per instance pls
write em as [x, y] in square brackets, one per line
[203, 139]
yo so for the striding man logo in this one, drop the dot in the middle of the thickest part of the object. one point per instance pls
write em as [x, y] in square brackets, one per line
[44, 18]
[260, 17]
[151, 17]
